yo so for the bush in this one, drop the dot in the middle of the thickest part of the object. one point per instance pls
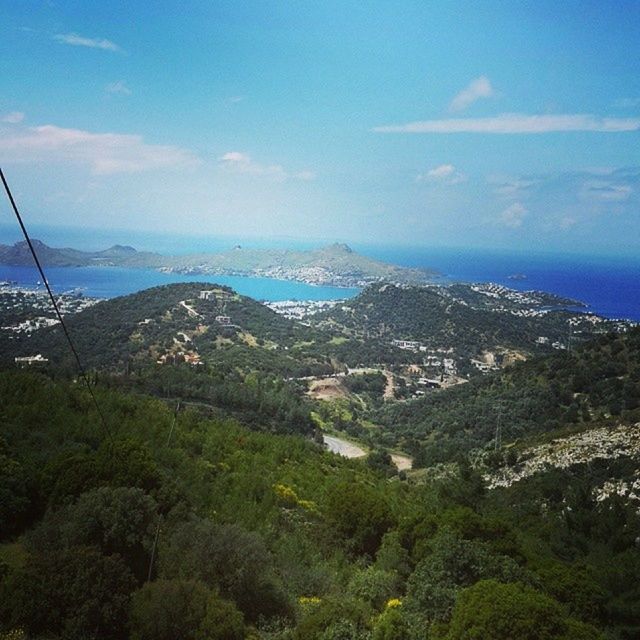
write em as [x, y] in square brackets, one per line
[359, 514]
[491, 610]
[183, 610]
[228, 558]
[75, 594]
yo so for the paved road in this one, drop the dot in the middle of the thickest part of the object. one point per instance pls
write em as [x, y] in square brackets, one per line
[343, 448]
[350, 450]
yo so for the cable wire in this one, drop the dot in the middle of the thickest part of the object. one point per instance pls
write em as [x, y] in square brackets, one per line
[155, 539]
[81, 368]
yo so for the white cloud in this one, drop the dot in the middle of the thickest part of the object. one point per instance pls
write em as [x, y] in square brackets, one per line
[606, 191]
[15, 117]
[513, 215]
[306, 175]
[627, 103]
[76, 40]
[561, 201]
[511, 187]
[239, 162]
[118, 87]
[235, 99]
[442, 171]
[516, 123]
[235, 157]
[567, 222]
[443, 174]
[478, 88]
[105, 153]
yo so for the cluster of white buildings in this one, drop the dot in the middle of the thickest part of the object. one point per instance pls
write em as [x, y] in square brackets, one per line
[299, 309]
[37, 305]
[30, 361]
[498, 291]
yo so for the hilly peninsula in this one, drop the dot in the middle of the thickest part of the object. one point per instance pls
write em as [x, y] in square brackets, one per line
[334, 265]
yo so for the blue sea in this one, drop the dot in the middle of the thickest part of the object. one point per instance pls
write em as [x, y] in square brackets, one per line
[109, 282]
[609, 285]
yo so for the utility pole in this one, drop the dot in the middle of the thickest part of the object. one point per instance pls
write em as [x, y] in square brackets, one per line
[498, 438]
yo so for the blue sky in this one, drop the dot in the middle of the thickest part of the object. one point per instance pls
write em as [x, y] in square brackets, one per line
[492, 124]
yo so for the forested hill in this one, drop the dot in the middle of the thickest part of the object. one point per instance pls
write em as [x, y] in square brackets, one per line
[597, 382]
[172, 343]
[467, 318]
[268, 537]
[162, 320]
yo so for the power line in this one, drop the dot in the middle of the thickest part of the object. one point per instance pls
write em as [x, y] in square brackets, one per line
[498, 438]
[157, 535]
[81, 369]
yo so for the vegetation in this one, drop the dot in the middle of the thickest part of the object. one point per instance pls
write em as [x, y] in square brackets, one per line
[204, 506]
[598, 382]
[264, 535]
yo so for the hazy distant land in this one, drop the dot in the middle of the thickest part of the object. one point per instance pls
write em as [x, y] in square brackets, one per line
[334, 265]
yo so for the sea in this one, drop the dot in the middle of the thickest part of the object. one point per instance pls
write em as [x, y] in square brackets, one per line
[608, 285]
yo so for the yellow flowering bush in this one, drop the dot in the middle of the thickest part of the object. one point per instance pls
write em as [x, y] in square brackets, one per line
[286, 495]
[289, 498]
[13, 634]
[309, 603]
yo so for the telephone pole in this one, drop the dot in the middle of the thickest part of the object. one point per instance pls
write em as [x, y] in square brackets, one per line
[498, 438]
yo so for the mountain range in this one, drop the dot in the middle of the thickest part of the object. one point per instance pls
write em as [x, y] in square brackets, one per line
[336, 264]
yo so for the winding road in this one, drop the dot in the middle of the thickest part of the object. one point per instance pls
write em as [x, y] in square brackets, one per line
[343, 448]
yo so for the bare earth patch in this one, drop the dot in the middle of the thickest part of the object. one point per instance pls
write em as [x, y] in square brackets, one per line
[327, 389]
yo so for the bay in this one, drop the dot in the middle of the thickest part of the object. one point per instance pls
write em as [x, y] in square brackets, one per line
[609, 285]
[109, 282]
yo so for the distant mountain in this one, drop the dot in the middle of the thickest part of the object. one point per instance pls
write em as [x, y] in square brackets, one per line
[20, 255]
[118, 255]
[336, 264]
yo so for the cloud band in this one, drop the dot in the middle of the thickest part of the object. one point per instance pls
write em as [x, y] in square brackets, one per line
[516, 123]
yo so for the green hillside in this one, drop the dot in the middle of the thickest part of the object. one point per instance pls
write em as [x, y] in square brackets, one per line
[465, 318]
[598, 381]
[267, 536]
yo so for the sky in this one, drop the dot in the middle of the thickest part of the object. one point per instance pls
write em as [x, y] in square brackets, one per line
[498, 124]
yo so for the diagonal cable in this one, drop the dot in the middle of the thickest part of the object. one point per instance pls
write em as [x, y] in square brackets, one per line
[81, 368]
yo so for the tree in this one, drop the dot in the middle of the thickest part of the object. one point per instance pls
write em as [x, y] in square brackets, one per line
[359, 514]
[491, 610]
[115, 520]
[230, 559]
[454, 563]
[335, 618]
[392, 556]
[373, 585]
[390, 625]
[222, 621]
[14, 494]
[381, 461]
[168, 610]
[75, 593]
[183, 610]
